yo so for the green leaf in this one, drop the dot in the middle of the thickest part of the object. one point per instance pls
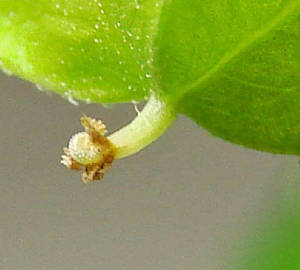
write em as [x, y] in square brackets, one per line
[99, 51]
[232, 66]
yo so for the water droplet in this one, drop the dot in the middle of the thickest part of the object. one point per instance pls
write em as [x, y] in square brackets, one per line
[137, 5]
[7, 72]
[149, 61]
[131, 47]
[148, 75]
[39, 87]
[68, 95]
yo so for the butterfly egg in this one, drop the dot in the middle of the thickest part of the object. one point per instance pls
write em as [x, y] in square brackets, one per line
[83, 150]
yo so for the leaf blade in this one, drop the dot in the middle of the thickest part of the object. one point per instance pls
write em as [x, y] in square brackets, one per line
[236, 111]
[91, 50]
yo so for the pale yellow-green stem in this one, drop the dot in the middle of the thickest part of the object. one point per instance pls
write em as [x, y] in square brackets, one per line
[149, 124]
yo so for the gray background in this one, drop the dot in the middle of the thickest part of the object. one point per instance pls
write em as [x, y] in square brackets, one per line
[182, 203]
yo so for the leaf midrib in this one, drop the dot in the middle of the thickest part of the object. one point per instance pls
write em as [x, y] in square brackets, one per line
[243, 45]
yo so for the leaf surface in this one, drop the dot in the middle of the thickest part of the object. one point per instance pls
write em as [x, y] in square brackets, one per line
[232, 66]
[99, 51]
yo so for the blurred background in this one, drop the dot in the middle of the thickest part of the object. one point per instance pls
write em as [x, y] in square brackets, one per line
[188, 201]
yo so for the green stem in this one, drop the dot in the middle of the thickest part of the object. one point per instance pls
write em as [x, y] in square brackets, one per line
[149, 124]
